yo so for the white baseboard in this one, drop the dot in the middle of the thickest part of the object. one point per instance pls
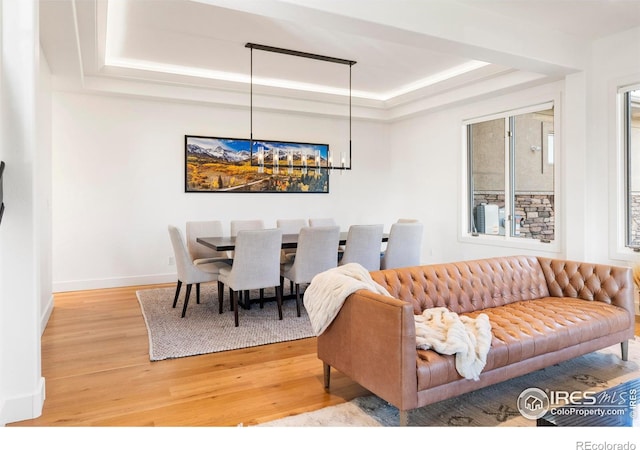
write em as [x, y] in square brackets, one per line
[46, 313]
[83, 285]
[25, 407]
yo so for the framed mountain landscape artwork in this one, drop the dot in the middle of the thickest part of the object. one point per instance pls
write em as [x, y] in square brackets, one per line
[216, 164]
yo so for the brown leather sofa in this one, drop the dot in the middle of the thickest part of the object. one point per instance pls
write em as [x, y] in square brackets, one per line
[542, 311]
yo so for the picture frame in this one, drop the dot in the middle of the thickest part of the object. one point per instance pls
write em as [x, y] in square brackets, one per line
[232, 165]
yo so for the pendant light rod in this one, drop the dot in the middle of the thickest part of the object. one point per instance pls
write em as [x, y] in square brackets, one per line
[286, 51]
[267, 48]
[350, 118]
[251, 104]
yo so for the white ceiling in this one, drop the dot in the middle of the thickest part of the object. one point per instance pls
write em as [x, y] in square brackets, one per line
[403, 48]
[585, 19]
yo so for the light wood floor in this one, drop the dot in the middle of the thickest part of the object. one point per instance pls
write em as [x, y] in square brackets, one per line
[96, 364]
[95, 360]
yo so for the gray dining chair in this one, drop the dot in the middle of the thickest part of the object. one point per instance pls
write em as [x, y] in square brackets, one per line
[188, 272]
[404, 245]
[363, 246]
[239, 225]
[322, 222]
[199, 253]
[290, 226]
[256, 265]
[325, 222]
[317, 251]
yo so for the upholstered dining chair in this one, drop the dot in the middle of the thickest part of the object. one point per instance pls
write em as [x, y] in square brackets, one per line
[404, 245]
[322, 222]
[188, 272]
[201, 254]
[238, 225]
[325, 222]
[317, 251]
[363, 246]
[290, 226]
[256, 265]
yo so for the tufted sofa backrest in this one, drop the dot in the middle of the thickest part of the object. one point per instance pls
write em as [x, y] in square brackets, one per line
[609, 284]
[468, 285]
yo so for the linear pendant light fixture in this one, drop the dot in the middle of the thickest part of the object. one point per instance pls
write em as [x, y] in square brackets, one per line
[330, 59]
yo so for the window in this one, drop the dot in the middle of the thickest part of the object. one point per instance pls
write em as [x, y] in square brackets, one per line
[631, 140]
[511, 175]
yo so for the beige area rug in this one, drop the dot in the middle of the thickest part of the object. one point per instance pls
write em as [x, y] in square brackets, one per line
[204, 330]
[493, 406]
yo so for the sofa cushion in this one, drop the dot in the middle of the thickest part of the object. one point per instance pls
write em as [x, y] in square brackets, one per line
[466, 286]
[525, 329]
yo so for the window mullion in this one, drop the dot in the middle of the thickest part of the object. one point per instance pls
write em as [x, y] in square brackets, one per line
[627, 146]
[470, 182]
[509, 171]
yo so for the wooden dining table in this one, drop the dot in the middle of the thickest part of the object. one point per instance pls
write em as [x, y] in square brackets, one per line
[224, 243]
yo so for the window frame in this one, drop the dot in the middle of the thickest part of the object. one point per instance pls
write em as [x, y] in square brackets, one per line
[624, 141]
[465, 234]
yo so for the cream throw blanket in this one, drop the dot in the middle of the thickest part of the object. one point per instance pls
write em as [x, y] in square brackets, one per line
[328, 290]
[448, 333]
[437, 328]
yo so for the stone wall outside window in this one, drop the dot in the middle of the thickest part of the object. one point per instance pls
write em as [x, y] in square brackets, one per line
[536, 211]
[635, 219]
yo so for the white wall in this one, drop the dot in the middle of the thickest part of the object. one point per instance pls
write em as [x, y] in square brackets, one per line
[429, 177]
[24, 254]
[118, 181]
[615, 63]
[43, 201]
[118, 173]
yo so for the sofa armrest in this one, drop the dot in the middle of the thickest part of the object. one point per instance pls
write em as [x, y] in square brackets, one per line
[595, 282]
[372, 340]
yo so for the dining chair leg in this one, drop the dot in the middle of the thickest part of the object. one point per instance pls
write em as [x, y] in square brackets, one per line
[234, 301]
[279, 300]
[198, 293]
[175, 299]
[186, 300]
[291, 287]
[231, 298]
[247, 300]
[220, 296]
[261, 298]
[298, 298]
